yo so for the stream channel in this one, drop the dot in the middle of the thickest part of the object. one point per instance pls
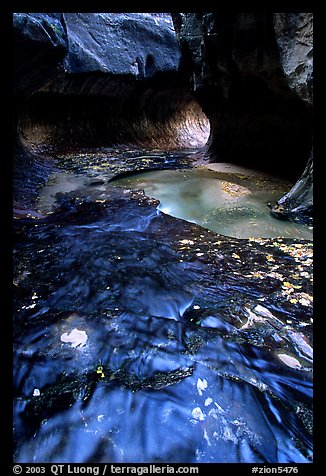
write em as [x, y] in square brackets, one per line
[160, 316]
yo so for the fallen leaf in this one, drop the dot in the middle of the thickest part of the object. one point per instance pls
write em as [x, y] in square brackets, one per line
[201, 385]
[198, 414]
[290, 361]
[286, 284]
[75, 337]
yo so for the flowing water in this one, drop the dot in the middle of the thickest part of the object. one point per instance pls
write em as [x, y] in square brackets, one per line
[138, 337]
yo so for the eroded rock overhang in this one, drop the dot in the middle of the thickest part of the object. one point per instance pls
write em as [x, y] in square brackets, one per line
[114, 79]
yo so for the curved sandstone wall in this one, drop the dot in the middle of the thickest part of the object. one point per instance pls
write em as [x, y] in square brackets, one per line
[110, 78]
[235, 86]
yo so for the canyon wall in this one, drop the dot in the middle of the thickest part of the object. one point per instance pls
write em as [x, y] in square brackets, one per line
[92, 80]
[102, 79]
[252, 74]
[243, 81]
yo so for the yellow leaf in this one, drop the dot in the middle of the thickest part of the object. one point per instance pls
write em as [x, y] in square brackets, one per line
[286, 284]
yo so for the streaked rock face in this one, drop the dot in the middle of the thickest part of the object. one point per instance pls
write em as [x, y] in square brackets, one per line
[40, 43]
[294, 33]
[136, 44]
[294, 36]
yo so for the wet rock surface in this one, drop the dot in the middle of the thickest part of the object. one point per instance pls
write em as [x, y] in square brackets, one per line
[297, 204]
[54, 46]
[294, 35]
[190, 336]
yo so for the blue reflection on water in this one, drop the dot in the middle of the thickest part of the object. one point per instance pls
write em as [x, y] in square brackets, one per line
[171, 391]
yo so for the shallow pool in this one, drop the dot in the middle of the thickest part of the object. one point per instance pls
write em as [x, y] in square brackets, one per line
[233, 204]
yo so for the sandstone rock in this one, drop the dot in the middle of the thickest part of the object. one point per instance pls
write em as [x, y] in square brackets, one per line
[294, 36]
[297, 204]
[252, 75]
[136, 44]
[40, 43]
[115, 80]
[52, 46]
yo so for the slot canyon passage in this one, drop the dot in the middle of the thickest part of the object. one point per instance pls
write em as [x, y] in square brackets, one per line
[163, 238]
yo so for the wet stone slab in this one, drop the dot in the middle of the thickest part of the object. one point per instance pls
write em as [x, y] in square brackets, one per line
[195, 347]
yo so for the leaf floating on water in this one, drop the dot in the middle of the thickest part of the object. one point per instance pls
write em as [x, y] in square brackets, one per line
[256, 274]
[290, 361]
[76, 338]
[198, 414]
[286, 284]
[201, 385]
[99, 370]
[208, 401]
